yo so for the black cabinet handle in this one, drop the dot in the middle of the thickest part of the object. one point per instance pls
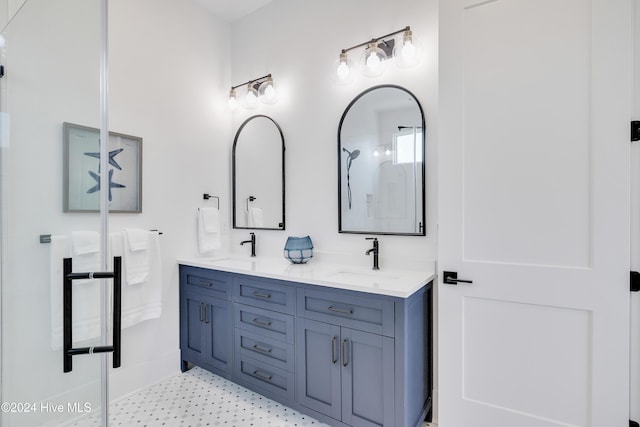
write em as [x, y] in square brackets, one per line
[261, 376]
[261, 295]
[340, 310]
[345, 356]
[200, 317]
[261, 322]
[334, 351]
[261, 349]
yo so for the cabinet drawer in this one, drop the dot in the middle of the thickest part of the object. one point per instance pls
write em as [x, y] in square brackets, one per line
[265, 294]
[270, 324]
[217, 283]
[259, 347]
[264, 376]
[364, 313]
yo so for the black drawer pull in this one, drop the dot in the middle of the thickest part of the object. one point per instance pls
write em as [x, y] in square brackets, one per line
[203, 283]
[261, 349]
[266, 377]
[261, 322]
[345, 356]
[334, 344]
[261, 295]
[340, 310]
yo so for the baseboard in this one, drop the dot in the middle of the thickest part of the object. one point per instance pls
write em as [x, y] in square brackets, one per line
[129, 380]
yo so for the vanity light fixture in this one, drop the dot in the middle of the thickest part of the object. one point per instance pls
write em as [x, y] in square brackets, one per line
[261, 89]
[378, 50]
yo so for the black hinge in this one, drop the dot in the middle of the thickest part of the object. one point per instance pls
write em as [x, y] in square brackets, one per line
[635, 130]
[635, 283]
[633, 424]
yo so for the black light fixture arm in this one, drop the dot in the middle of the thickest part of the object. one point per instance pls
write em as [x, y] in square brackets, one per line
[376, 39]
[260, 79]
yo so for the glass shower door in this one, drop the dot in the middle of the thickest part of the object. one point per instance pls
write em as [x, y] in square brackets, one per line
[51, 53]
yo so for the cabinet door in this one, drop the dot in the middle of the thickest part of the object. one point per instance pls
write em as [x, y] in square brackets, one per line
[318, 366]
[218, 321]
[367, 362]
[192, 336]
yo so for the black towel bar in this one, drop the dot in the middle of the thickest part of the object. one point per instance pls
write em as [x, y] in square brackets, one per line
[69, 277]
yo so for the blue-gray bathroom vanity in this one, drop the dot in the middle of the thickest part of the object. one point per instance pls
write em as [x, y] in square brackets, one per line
[348, 347]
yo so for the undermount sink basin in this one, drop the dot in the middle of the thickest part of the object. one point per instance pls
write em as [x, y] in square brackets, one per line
[356, 277]
[236, 263]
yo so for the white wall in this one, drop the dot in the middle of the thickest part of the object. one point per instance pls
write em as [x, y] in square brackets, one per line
[298, 43]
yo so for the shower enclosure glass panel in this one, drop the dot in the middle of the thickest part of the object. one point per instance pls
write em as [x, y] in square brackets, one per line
[52, 62]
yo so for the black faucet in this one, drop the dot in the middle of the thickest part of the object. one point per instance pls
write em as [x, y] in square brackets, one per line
[253, 243]
[376, 250]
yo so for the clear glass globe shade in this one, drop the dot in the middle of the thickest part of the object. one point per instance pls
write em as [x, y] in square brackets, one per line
[268, 93]
[251, 99]
[373, 61]
[343, 71]
[233, 103]
[407, 53]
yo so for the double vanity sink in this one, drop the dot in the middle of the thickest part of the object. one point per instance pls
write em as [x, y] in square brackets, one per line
[397, 283]
[349, 346]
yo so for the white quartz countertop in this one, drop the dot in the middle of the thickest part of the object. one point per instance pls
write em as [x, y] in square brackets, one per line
[395, 283]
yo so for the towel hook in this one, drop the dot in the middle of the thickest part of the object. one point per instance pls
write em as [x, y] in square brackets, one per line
[250, 199]
[207, 196]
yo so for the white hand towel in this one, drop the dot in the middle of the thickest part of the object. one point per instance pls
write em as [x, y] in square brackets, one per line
[211, 220]
[144, 300]
[136, 255]
[209, 237]
[86, 293]
[85, 242]
[137, 239]
[254, 217]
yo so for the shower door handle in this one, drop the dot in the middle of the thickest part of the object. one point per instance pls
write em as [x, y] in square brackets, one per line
[68, 278]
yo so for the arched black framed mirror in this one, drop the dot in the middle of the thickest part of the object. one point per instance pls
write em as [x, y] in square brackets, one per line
[258, 175]
[381, 163]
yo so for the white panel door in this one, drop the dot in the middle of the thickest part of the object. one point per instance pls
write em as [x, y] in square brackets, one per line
[534, 209]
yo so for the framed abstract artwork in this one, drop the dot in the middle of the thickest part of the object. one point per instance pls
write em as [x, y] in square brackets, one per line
[81, 170]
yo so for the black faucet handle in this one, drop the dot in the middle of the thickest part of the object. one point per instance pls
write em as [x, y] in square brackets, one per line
[371, 238]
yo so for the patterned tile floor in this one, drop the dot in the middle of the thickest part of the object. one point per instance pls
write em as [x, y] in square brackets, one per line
[198, 398]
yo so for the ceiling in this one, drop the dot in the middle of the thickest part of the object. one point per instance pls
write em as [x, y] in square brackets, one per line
[232, 10]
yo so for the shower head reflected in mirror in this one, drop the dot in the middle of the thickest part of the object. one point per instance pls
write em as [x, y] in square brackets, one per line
[351, 155]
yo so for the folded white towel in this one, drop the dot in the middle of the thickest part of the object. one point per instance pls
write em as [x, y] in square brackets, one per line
[86, 293]
[137, 239]
[211, 219]
[254, 217]
[209, 237]
[136, 255]
[85, 242]
[144, 300]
